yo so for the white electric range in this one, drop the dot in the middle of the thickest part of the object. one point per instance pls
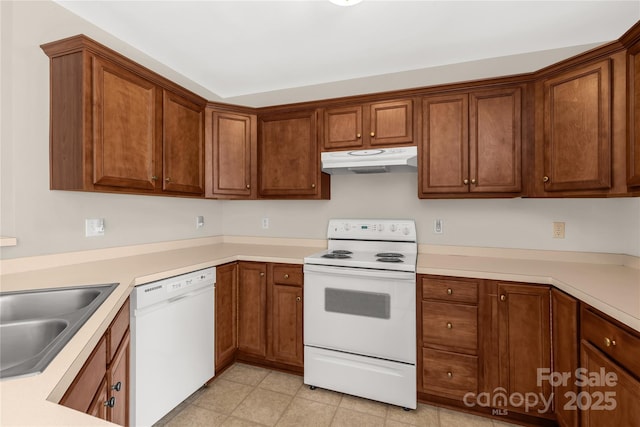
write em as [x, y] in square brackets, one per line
[360, 311]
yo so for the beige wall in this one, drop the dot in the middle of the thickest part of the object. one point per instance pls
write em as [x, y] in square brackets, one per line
[53, 221]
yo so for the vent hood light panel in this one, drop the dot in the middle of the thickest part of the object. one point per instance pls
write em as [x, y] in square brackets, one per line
[376, 160]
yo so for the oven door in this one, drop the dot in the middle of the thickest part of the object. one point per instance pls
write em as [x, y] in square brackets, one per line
[361, 311]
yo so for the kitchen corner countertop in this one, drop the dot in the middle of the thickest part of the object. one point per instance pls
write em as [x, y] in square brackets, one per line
[611, 288]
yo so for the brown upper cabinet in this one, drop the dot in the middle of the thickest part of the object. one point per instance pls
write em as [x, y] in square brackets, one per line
[361, 126]
[633, 145]
[471, 143]
[231, 155]
[288, 157]
[118, 127]
[577, 129]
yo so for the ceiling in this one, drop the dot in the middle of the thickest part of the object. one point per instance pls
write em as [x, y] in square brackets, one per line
[270, 52]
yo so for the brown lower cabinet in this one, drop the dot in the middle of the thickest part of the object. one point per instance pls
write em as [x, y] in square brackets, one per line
[259, 314]
[101, 388]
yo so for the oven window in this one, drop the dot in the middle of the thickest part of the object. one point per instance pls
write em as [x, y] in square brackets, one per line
[359, 303]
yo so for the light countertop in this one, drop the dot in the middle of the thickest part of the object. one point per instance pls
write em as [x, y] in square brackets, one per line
[610, 287]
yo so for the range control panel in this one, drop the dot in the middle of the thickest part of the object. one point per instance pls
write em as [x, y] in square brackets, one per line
[372, 229]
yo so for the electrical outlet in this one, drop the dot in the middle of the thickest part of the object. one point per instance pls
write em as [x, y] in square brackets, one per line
[437, 226]
[199, 221]
[94, 227]
[558, 230]
[265, 223]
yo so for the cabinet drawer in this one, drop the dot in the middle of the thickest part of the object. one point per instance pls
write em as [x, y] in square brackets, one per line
[287, 275]
[118, 328]
[450, 326]
[449, 374]
[615, 342]
[456, 290]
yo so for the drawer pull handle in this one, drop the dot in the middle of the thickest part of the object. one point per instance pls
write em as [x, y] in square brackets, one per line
[111, 402]
[503, 297]
[545, 179]
[286, 276]
[248, 185]
[609, 342]
[298, 299]
[449, 291]
[261, 274]
[117, 386]
[465, 181]
[372, 134]
[449, 325]
[450, 374]
[359, 135]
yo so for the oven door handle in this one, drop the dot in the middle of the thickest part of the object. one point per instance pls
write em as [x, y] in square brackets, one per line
[360, 272]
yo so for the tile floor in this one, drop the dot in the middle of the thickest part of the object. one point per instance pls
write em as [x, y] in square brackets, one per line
[246, 395]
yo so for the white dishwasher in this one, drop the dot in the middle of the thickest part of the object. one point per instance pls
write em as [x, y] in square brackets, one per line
[172, 343]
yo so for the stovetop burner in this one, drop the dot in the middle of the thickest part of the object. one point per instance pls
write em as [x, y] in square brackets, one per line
[341, 251]
[389, 259]
[334, 255]
[389, 255]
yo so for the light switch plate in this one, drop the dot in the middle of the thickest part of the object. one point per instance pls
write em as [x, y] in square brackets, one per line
[94, 227]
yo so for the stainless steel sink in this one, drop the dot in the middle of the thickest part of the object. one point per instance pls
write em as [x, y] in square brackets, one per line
[36, 325]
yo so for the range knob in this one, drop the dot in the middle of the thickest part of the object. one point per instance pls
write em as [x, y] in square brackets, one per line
[380, 227]
[346, 226]
[393, 228]
[405, 231]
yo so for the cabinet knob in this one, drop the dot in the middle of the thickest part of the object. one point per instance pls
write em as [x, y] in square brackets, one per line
[298, 299]
[372, 134]
[313, 186]
[111, 402]
[449, 325]
[503, 297]
[449, 291]
[450, 374]
[154, 178]
[473, 180]
[117, 386]
[167, 179]
[545, 179]
[359, 135]
[286, 276]
[609, 342]
[261, 274]
[465, 181]
[248, 186]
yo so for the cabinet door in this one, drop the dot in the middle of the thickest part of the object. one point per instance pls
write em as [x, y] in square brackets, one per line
[445, 145]
[495, 128]
[289, 164]
[118, 385]
[633, 147]
[231, 155]
[84, 387]
[391, 123]
[342, 128]
[126, 114]
[608, 405]
[98, 407]
[226, 313]
[577, 129]
[286, 321]
[252, 308]
[524, 340]
[183, 145]
[565, 354]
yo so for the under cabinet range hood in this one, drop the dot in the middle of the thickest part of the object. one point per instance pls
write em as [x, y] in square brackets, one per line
[374, 160]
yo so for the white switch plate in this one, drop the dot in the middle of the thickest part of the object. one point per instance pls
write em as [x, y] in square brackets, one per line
[94, 227]
[199, 221]
[558, 230]
[437, 226]
[265, 222]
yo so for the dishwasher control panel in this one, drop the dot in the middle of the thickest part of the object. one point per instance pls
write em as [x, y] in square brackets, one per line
[173, 287]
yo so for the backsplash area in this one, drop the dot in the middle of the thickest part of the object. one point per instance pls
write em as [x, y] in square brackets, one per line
[592, 225]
